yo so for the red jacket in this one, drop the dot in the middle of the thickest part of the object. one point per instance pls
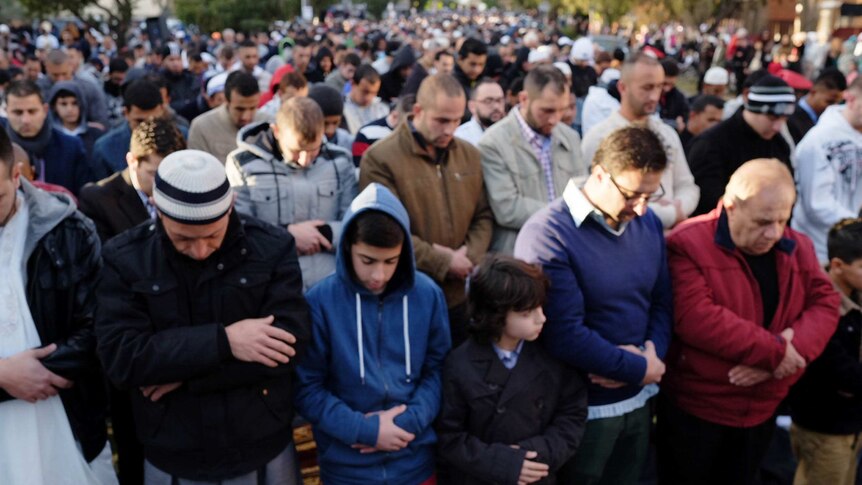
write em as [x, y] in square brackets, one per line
[718, 321]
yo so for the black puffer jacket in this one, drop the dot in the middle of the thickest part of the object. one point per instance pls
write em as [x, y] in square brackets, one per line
[161, 319]
[828, 397]
[63, 263]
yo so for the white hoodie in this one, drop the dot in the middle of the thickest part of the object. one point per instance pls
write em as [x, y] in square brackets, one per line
[828, 163]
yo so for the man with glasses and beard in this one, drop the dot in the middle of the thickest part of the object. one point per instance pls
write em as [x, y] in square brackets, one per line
[488, 106]
[609, 306]
[529, 157]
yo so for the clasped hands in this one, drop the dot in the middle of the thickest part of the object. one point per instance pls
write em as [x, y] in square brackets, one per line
[745, 376]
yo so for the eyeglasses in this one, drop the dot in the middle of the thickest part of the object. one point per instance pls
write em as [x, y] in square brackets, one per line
[490, 101]
[631, 196]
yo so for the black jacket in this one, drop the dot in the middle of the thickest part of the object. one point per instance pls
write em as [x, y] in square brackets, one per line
[393, 82]
[539, 405]
[182, 87]
[799, 124]
[716, 153]
[673, 104]
[62, 269]
[162, 318]
[113, 204]
[582, 78]
[828, 397]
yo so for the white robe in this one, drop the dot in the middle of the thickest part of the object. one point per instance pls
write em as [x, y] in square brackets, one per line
[36, 441]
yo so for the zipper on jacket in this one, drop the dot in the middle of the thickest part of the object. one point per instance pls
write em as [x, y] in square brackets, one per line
[380, 349]
[448, 213]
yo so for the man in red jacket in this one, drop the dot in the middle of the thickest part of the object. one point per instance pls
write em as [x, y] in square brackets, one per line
[751, 308]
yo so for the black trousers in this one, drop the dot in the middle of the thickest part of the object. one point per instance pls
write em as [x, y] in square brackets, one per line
[697, 452]
[130, 452]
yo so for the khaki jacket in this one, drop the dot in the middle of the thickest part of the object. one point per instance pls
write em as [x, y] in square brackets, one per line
[514, 176]
[446, 201]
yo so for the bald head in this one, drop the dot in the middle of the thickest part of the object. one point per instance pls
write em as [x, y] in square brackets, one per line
[433, 86]
[758, 176]
[627, 72]
[758, 201]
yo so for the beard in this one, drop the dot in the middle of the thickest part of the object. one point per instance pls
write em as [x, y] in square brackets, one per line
[486, 121]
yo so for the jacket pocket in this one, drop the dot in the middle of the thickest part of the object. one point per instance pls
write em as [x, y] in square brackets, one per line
[327, 200]
[272, 204]
[161, 299]
[243, 293]
[149, 416]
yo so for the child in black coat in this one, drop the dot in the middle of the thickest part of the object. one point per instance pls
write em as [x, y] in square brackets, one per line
[511, 414]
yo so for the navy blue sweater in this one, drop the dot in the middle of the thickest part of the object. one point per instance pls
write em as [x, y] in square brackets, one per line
[605, 291]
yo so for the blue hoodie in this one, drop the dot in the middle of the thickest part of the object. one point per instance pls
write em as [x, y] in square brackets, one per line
[342, 377]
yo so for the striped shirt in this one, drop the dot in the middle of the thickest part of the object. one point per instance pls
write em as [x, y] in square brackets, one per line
[541, 146]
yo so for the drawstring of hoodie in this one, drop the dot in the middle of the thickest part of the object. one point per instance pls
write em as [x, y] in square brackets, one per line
[360, 346]
[359, 339]
[406, 337]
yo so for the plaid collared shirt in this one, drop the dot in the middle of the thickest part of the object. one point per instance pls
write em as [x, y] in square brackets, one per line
[541, 146]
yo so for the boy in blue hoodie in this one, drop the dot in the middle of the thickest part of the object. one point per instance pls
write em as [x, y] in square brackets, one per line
[370, 382]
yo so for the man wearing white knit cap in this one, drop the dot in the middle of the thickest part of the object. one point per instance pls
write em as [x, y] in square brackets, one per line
[201, 317]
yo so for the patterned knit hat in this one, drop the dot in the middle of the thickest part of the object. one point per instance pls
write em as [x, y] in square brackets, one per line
[192, 188]
[771, 96]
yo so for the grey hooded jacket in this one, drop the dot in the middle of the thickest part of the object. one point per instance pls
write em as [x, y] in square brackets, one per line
[282, 193]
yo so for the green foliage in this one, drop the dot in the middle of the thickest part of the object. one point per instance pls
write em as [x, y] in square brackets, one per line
[118, 16]
[215, 15]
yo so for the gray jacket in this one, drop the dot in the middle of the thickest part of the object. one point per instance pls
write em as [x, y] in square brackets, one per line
[278, 193]
[514, 178]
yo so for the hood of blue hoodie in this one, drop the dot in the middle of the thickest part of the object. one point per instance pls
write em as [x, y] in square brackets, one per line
[377, 197]
[72, 87]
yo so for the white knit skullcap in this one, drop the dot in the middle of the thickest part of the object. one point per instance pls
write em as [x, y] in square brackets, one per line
[564, 68]
[192, 188]
[717, 76]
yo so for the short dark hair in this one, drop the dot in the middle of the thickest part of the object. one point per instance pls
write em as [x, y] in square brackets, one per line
[23, 88]
[641, 57]
[701, 102]
[541, 77]
[516, 86]
[352, 58]
[242, 82]
[405, 104]
[631, 148]
[375, 228]
[442, 53]
[226, 51]
[367, 72]
[501, 284]
[831, 79]
[671, 67]
[118, 64]
[302, 42]
[845, 240]
[247, 43]
[473, 46]
[143, 94]
[62, 93]
[159, 136]
[7, 154]
[481, 82]
[292, 79]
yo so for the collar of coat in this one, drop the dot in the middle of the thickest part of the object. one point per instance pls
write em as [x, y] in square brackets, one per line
[224, 255]
[723, 239]
[498, 377]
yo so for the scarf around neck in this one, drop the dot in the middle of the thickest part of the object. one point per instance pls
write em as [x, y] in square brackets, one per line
[35, 146]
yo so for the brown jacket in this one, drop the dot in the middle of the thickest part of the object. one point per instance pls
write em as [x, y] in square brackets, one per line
[446, 201]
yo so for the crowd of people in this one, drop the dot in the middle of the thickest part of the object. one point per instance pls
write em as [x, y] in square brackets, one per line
[465, 250]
